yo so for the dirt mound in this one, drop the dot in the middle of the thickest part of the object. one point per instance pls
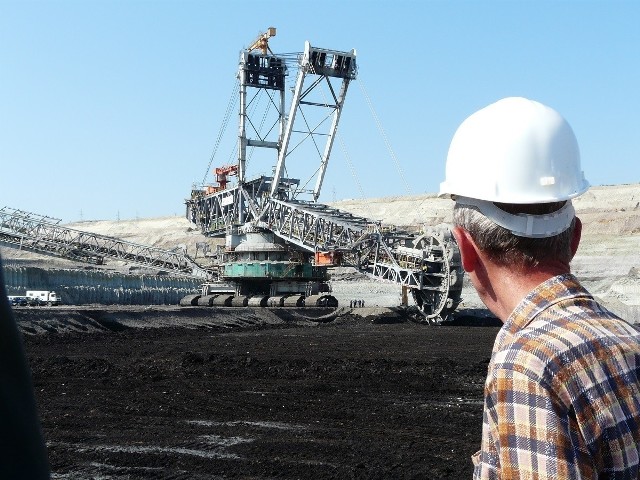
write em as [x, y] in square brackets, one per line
[103, 319]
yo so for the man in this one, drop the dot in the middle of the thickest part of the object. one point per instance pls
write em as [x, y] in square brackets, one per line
[22, 449]
[562, 395]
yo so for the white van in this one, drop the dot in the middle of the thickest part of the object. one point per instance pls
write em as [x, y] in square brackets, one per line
[42, 297]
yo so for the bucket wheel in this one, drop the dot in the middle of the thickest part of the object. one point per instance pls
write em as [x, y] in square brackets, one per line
[443, 287]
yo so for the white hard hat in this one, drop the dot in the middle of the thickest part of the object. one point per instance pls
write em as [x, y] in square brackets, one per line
[514, 151]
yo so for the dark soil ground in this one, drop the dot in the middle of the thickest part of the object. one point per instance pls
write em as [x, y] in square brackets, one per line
[347, 399]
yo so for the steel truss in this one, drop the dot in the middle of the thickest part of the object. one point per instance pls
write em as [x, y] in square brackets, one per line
[314, 226]
[32, 232]
[428, 264]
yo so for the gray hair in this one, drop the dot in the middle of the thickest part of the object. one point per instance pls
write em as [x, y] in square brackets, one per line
[507, 249]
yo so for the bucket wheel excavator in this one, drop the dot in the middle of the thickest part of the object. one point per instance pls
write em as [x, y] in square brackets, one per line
[280, 242]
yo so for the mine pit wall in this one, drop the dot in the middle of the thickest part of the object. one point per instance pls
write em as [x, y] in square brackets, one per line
[106, 288]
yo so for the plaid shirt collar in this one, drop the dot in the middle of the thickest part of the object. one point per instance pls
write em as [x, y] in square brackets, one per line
[554, 290]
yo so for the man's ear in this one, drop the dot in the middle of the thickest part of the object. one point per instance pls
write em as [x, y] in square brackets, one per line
[468, 249]
[575, 239]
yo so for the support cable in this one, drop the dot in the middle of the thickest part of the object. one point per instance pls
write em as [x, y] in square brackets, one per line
[225, 122]
[260, 127]
[354, 173]
[384, 135]
[233, 155]
[343, 147]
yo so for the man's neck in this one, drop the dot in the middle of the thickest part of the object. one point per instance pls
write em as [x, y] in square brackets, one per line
[509, 287]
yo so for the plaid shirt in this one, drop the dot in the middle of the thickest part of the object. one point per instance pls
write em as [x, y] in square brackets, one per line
[562, 396]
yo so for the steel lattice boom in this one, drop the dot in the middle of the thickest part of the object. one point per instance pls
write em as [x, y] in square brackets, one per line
[27, 231]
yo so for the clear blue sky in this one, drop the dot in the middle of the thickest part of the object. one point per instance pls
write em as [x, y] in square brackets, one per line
[111, 109]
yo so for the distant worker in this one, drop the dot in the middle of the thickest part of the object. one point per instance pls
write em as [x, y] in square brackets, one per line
[562, 395]
[22, 449]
